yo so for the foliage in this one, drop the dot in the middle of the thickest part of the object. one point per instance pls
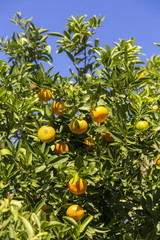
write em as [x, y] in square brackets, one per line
[122, 197]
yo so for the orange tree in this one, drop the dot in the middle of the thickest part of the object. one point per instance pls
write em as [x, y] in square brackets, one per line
[118, 195]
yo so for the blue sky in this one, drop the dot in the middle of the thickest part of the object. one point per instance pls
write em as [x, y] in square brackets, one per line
[123, 19]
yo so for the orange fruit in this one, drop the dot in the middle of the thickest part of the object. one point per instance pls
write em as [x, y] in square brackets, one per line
[158, 160]
[108, 137]
[142, 74]
[58, 107]
[99, 114]
[78, 126]
[75, 211]
[89, 143]
[46, 134]
[44, 95]
[78, 187]
[142, 125]
[60, 147]
[155, 107]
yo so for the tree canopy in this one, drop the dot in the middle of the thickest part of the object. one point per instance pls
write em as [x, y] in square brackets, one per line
[52, 141]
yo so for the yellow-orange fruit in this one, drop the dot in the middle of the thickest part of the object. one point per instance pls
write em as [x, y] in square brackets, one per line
[79, 187]
[155, 107]
[142, 125]
[108, 137]
[88, 143]
[75, 211]
[46, 134]
[60, 147]
[142, 74]
[99, 114]
[158, 160]
[44, 95]
[78, 126]
[58, 108]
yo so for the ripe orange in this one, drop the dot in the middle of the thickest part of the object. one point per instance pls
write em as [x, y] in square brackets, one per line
[142, 74]
[75, 211]
[158, 160]
[79, 187]
[78, 126]
[58, 107]
[99, 114]
[155, 107]
[142, 125]
[108, 137]
[46, 134]
[44, 95]
[60, 147]
[89, 143]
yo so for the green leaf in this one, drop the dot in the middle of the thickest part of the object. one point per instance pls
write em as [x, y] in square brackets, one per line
[5, 152]
[29, 199]
[96, 42]
[127, 237]
[57, 34]
[28, 227]
[49, 112]
[155, 72]
[75, 178]
[43, 38]
[40, 169]
[42, 148]
[70, 220]
[85, 223]
[16, 102]
[1, 64]
[11, 231]
[18, 148]
[152, 235]
[55, 224]
[39, 205]
[29, 159]
[139, 237]
[58, 161]
[102, 229]
[85, 107]
[70, 55]
[79, 162]
[157, 44]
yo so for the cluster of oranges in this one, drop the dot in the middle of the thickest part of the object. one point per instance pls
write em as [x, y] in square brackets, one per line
[74, 211]
[77, 126]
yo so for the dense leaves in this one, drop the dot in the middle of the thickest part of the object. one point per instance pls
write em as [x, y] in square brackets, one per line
[122, 197]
